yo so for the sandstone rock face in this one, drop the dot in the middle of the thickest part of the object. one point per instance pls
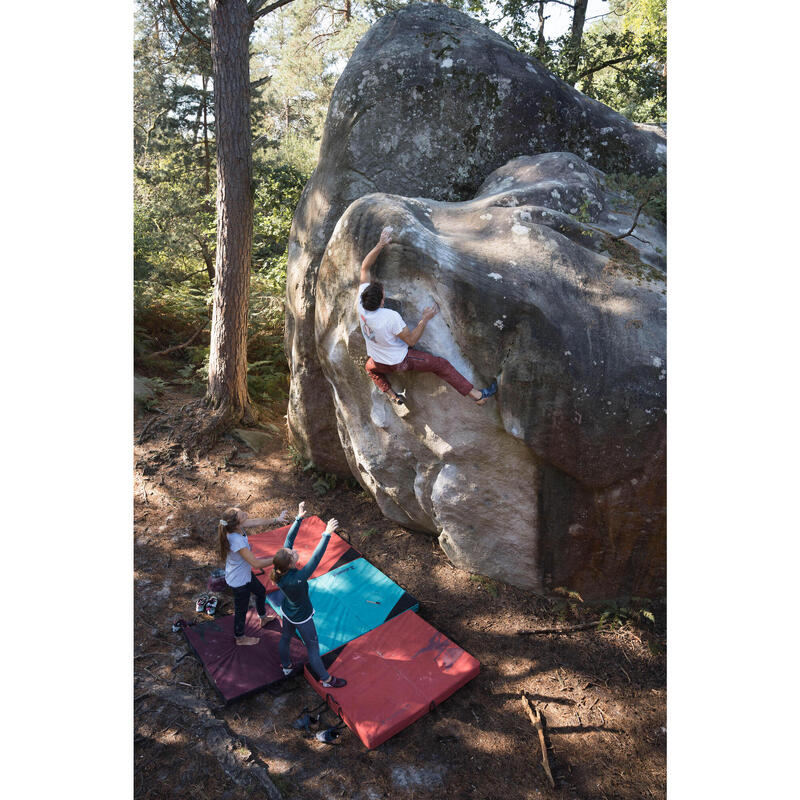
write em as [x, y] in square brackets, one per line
[440, 129]
[560, 481]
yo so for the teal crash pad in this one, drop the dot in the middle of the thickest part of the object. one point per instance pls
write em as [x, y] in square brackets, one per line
[351, 600]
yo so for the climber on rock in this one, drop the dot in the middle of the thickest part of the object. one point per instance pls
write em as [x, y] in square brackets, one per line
[390, 344]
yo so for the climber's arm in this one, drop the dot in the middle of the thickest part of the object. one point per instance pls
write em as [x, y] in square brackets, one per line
[371, 257]
[412, 337]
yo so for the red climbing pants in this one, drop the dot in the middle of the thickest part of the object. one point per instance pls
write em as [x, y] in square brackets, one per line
[417, 361]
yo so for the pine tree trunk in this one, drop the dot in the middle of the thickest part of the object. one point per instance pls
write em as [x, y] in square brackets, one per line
[541, 42]
[231, 25]
[208, 256]
[576, 37]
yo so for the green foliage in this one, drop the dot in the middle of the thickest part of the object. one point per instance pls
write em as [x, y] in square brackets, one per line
[366, 534]
[621, 58]
[652, 191]
[302, 48]
[635, 610]
[568, 607]
[324, 482]
[174, 172]
[487, 584]
[632, 42]
[295, 456]
[277, 192]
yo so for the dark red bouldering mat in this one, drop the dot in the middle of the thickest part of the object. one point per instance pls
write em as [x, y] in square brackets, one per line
[396, 673]
[238, 670]
[266, 544]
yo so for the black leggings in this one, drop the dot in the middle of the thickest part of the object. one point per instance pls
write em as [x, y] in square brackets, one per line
[241, 599]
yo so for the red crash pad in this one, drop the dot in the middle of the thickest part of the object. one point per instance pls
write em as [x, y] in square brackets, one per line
[266, 544]
[395, 674]
[238, 670]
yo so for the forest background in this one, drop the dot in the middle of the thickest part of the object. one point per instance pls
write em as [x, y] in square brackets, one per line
[612, 50]
[68, 217]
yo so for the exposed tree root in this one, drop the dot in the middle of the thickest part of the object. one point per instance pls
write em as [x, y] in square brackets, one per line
[213, 736]
[195, 428]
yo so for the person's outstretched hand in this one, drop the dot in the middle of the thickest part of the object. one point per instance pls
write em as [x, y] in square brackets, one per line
[332, 525]
[301, 509]
[430, 312]
[283, 516]
[386, 236]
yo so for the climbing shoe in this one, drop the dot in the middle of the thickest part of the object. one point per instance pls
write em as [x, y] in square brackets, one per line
[489, 390]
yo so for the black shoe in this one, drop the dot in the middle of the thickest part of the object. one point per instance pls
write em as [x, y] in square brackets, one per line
[334, 683]
[305, 721]
[329, 735]
[399, 399]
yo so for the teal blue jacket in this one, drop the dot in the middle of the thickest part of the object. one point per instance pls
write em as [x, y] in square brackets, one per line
[296, 605]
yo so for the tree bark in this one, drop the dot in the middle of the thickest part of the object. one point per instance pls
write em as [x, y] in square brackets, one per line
[231, 25]
[575, 38]
[208, 255]
[541, 42]
[206, 154]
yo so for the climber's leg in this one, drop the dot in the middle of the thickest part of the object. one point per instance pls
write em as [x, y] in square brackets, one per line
[425, 362]
[376, 370]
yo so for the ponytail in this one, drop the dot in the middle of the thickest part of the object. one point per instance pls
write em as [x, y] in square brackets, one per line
[225, 526]
[280, 564]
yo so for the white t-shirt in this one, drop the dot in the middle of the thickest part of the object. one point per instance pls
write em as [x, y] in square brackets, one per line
[237, 570]
[380, 329]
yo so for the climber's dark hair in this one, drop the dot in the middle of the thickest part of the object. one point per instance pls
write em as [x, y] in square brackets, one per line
[372, 296]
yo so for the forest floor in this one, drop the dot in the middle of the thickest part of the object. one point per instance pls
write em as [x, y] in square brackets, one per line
[602, 691]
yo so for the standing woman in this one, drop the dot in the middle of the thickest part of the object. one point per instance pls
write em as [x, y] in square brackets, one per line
[296, 608]
[240, 562]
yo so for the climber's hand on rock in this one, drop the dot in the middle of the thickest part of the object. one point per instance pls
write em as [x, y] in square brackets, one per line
[386, 236]
[430, 312]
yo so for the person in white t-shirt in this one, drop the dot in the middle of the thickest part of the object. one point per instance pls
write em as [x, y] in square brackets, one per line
[234, 547]
[390, 344]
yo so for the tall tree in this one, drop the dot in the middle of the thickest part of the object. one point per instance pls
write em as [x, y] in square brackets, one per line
[231, 24]
[575, 37]
[172, 159]
[624, 59]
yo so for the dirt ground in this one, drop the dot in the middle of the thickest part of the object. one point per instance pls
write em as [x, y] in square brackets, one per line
[602, 691]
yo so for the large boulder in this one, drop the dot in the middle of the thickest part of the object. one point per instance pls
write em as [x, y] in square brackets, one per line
[564, 486]
[560, 481]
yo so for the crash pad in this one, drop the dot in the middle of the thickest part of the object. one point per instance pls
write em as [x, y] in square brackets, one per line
[395, 673]
[351, 600]
[266, 544]
[235, 670]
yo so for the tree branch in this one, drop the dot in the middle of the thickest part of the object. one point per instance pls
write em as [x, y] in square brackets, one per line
[537, 720]
[635, 219]
[186, 343]
[603, 65]
[186, 27]
[260, 82]
[264, 11]
[559, 631]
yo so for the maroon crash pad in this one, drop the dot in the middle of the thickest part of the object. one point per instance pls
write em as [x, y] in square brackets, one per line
[396, 673]
[238, 670]
[266, 544]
